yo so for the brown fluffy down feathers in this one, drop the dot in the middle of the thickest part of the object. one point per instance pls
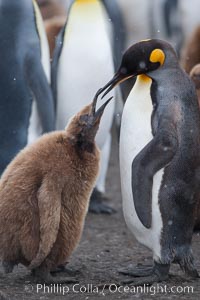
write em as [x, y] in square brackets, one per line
[191, 51]
[44, 195]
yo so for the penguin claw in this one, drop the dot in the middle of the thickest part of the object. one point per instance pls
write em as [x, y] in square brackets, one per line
[60, 280]
[8, 267]
[192, 273]
[139, 271]
[42, 275]
[48, 279]
[148, 280]
[100, 208]
[64, 269]
[97, 205]
[148, 274]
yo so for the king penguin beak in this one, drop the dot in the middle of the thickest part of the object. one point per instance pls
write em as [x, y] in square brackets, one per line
[117, 79]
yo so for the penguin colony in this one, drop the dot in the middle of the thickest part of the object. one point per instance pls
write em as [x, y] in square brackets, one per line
[45, 190]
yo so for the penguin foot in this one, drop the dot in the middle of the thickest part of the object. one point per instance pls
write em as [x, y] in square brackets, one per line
[148, 280]
[192, 273]
[185, 259]
[139, 271]
[60, 269]
[8, 266]
[147, 274]
[42, 275]
[64, 269]
[189, 268]
[60, 280]
[97, 204]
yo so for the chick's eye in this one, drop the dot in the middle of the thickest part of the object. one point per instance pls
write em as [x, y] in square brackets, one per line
[84, 118]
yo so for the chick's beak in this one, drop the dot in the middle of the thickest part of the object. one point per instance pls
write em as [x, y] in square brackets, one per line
[98, 114]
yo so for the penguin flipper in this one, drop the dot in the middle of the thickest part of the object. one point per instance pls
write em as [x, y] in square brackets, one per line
[155, 156]
[53, 26]
[41, 90]
[49, 204]
[55, 62]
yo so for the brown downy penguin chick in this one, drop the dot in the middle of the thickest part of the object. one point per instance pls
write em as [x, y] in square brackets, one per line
[190, 55]
[195, 76]
[44, 196]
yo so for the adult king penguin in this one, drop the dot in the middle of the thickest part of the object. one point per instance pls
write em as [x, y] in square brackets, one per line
[159, 157]
[83, 61]
[26, 102]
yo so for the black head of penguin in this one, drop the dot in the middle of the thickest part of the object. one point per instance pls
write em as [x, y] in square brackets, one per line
[144, 57]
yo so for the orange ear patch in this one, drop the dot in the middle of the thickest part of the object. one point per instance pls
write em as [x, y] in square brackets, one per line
[157, 55]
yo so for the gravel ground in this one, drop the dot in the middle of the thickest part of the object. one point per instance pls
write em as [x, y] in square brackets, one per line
[105, 247]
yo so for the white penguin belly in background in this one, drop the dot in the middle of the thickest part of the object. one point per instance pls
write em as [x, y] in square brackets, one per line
[35, 127]
[135, 135]
[85, 65]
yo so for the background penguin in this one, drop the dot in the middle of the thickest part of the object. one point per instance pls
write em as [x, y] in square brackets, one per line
[44, 195]
[53, 27]
[195, 76]
[165, 22]
[118, 28]
[189, 17]
[83, 61]
[191, 51]
[52, 8]
[26, 104]
[54, 13]
[159, 157]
